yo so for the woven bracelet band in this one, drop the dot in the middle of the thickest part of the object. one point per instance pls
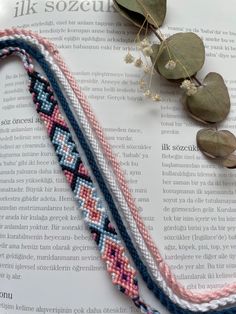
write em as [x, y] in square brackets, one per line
[112, 252]
[171, 308]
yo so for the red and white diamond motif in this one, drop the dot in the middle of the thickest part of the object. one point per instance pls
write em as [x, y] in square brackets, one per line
[89, 204]
[118, 265]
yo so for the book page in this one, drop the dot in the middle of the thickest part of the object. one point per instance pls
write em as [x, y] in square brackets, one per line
[48, 262]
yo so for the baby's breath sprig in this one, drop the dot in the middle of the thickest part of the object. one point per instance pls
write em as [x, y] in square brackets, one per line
[189, 87]
[129, 58]
[144, 46]
[170, 65]
[142, 84]
[207, 101]
[138, 62]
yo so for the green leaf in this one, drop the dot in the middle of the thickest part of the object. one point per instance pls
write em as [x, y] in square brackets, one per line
[136, 11]
[131, 5]
[230, 162]
[134, 18]
[154, 10]
[155, 54]
[156, 49]
[211, 103]
[216, 144]
[186, 50]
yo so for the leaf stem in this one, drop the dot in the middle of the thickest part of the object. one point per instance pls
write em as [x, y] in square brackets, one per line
[155, 32]
[196, 80]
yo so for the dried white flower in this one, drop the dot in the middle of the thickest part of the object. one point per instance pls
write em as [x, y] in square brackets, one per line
[147, 69]
[138, 63]
[148, 51]
[170, 65]
[156, 97]
[142, 84]
[129, 58]
[147, 93]
[186, 84]
[144, 44]
[192, 91]
[189, 87]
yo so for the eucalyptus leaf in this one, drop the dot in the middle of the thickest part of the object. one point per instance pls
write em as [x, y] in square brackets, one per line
[186, 50]
[154, 10]
[230, 162]
[155, 49]
[136, 11]
[131, 5]
[133, 17]
[216, 144]
[211, 103]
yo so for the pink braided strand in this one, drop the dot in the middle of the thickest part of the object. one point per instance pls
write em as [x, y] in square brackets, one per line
[163, 267]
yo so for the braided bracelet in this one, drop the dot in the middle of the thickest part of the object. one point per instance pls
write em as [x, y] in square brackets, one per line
[232, 310]
[142, 268]
[198, 298]
[103, 233]
[194, 307]
[163, 267]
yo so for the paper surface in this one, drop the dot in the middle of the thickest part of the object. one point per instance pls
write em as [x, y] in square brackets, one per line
[47, 258]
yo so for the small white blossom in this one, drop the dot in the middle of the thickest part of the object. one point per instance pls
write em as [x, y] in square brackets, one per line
[147, 69]
[148, 51]
[192, 91]
[138, 63]
[142, 84]
[129, 58]
[170, 65]
[156, 97]
[189, 87]
[146, 47]
[144, 44]
[186, 84]
[147, 93]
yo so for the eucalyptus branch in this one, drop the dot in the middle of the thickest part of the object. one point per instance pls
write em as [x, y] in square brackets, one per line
[207, 101]
[155, 32]
[196, 80]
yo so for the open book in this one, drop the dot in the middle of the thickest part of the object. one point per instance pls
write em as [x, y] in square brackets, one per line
[48, 262]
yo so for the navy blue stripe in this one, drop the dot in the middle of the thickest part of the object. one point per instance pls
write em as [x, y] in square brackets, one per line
[151, 284]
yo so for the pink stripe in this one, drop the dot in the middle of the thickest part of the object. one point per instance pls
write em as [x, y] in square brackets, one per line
[163, 267]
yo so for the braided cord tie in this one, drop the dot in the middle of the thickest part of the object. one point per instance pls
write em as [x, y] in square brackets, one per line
[163, 267]
[104, 234]
[150, 283]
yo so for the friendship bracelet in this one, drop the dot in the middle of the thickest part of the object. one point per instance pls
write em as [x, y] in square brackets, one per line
[104, 234]
[174, 309]
[163, 267]
[194, 307]
[104, 143]
[139, 264]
